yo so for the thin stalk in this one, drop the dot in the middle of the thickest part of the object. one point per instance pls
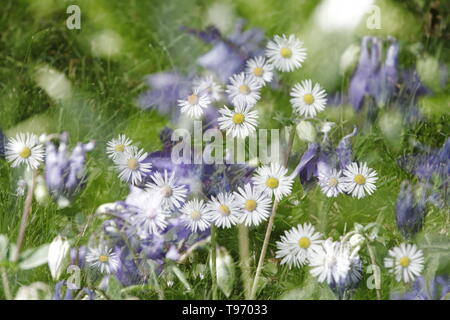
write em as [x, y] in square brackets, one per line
[244, 258]
[25, 215]
[213, 262]
[5, 284]
[270, 224]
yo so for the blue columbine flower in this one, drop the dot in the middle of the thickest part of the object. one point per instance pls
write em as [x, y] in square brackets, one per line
[229, 54]
[409, 211]
[381, 81]
[166, 88]
[64, 170]
[2, 145]
[321, 158]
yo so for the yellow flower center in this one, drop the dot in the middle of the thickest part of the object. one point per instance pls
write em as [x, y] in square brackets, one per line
[193, 99]
[25, 153]
[120, 148]
[258, 71]
[238, 118]
[167, 191]
[133, 164]
[250, 205]
[304, 243]
[224, 210]
[308, 98]
[272, 183]
[244, 89]
[195, 215]
[404, 262]
[103, 259]
[359, 179]
[286, 52]
[332, 182]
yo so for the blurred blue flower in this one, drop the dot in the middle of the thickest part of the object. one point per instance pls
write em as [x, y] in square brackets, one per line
[321, 158]
[2, 145]
[229, 54]
[65, 171]
[381, 81]
[410, 213]
[166, 88]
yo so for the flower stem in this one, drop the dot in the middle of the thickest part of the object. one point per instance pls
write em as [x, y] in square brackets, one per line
[5, 283]
[270, 223]
[25, 215]
[213, 262]
[244, 257]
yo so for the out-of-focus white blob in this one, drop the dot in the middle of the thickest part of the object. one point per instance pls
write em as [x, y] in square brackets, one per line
[35, 291]
[54, 83]
[106, 44]
[306, 131]
[221, 14]
[338, 15]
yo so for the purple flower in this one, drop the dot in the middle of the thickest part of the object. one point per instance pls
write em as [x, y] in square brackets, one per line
[229, 54]
[437, 288]
[319, 158]
[359, 83]
[382, 81]
[409, 212]
[64, 170]
[2, 145]
[166, 88]
[344, 150]
[78, 256]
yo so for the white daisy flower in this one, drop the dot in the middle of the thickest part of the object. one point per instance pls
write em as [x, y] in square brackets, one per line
[104, 259]
[405, 261]
[208, 86]
[132, 167]
[330, 262]
[307, 100]
[173, 195]
[24, 149]
[194, 104]
[240, 122]
[274, 180]
[195, 215]
[224, 211]
[255, 205]
[116, 148]
[151, 216]
[331, 182]
[286, 54]
[296, 245]
[359, 179]
[243, 90]
[260, 69]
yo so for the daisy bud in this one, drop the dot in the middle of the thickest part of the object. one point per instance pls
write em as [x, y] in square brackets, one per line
[58, 256]
[356, 240]
[306, 131]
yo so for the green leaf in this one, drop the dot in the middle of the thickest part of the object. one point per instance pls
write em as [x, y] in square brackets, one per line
[33, 258]
[180, 275]
[114, 288]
